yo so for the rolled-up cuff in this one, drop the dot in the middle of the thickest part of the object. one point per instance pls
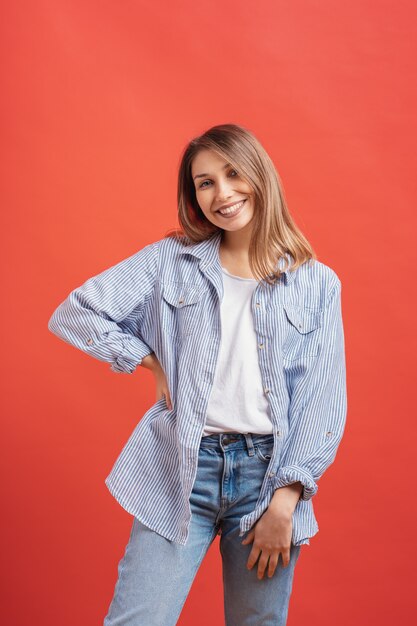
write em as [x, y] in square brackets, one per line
[293, 474]
[134, 350]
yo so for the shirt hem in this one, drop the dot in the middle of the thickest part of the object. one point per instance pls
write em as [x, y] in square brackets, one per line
[130, 509]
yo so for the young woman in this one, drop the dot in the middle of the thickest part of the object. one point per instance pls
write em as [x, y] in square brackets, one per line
[242, 327]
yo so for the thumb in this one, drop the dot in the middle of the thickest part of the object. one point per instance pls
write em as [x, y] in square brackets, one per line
[168, 400]
[249, 537]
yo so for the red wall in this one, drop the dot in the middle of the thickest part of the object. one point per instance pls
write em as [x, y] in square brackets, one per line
[98, 100]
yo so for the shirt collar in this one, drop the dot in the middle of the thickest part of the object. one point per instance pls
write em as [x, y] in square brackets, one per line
[208, 251]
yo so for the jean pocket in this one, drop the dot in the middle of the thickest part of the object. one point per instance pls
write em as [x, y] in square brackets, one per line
[264, 451]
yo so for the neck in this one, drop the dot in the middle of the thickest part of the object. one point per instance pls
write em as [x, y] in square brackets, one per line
[236, 243]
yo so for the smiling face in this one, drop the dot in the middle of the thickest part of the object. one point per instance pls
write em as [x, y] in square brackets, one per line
[223, 196]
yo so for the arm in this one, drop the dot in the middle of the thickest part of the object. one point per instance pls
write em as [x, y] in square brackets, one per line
[317, 427]
[100, 317]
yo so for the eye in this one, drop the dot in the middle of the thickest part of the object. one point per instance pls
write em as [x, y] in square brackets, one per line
[202, 185]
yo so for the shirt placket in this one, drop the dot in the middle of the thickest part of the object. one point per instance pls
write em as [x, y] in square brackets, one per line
[259, 305]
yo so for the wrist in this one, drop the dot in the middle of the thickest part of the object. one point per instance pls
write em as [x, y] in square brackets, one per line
[285, 499]
[150, 361]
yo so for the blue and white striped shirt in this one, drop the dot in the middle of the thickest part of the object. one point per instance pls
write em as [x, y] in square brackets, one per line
[165, 299]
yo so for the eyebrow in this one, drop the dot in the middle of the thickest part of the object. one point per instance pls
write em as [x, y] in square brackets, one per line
[203, 175]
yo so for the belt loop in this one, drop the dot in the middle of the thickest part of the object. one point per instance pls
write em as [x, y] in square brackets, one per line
[249, 443]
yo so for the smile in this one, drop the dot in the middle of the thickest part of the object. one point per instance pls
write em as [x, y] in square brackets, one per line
[233, 210]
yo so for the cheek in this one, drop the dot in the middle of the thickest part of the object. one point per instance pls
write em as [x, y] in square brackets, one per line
[246, 188]
[250, 209]
[204, 203]
[204, 209]
[200, 199]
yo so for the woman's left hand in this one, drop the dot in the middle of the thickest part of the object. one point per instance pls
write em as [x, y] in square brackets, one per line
[271, 537]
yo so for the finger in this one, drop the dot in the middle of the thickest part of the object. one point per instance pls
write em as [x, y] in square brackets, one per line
[273, 562]
[285, 557]
[249, 537]
[253, 557]
[168, 400]
[263, 564]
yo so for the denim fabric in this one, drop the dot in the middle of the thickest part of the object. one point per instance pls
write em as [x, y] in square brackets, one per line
[156, 574]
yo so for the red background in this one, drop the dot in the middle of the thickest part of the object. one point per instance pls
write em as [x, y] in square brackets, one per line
[98, 100]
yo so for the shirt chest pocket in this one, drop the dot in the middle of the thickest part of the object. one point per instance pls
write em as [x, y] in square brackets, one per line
[180, 308]
[302, 332]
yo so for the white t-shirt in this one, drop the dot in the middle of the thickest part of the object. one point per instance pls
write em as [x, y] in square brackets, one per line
[237, 401]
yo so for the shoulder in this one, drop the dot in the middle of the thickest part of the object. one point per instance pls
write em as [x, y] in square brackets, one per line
[318, 272]
[170, 246]
[169, 264]
[315, 283]
[174, 244]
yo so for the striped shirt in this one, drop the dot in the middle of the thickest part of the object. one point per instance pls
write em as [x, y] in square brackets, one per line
[166, 299]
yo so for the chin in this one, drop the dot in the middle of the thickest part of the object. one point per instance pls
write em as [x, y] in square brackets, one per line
[235, 227]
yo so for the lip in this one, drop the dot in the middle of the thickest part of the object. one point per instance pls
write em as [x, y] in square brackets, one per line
[226, 206]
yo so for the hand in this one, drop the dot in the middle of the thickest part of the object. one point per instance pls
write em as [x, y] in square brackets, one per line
[151, 362]
[271, 537]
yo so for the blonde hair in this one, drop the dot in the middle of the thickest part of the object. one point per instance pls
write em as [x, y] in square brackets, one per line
[274, 232]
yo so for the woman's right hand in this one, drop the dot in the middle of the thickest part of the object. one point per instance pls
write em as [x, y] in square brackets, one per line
[150, 362]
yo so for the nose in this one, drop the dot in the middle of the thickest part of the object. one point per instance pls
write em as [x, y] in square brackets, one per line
[224, 191]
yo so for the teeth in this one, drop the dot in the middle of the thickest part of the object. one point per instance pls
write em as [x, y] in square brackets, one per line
[232, 209]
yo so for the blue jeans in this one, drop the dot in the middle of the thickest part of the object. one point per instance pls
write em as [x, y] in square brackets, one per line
[156, 574]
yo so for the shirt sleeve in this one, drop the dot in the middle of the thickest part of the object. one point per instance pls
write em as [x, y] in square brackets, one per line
[102, 316]
[316, 428]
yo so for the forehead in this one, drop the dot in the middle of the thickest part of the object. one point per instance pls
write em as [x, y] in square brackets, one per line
[207, 161]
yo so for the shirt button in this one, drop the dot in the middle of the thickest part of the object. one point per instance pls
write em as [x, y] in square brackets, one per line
[300, 325]
[258, 304]
[261, 345]
[90, 342]
[266, 390]
[271, 474]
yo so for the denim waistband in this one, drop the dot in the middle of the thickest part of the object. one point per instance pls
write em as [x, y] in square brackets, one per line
[235, 441]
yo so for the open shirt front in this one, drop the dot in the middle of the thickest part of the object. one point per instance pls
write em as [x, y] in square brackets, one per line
[166, 299]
